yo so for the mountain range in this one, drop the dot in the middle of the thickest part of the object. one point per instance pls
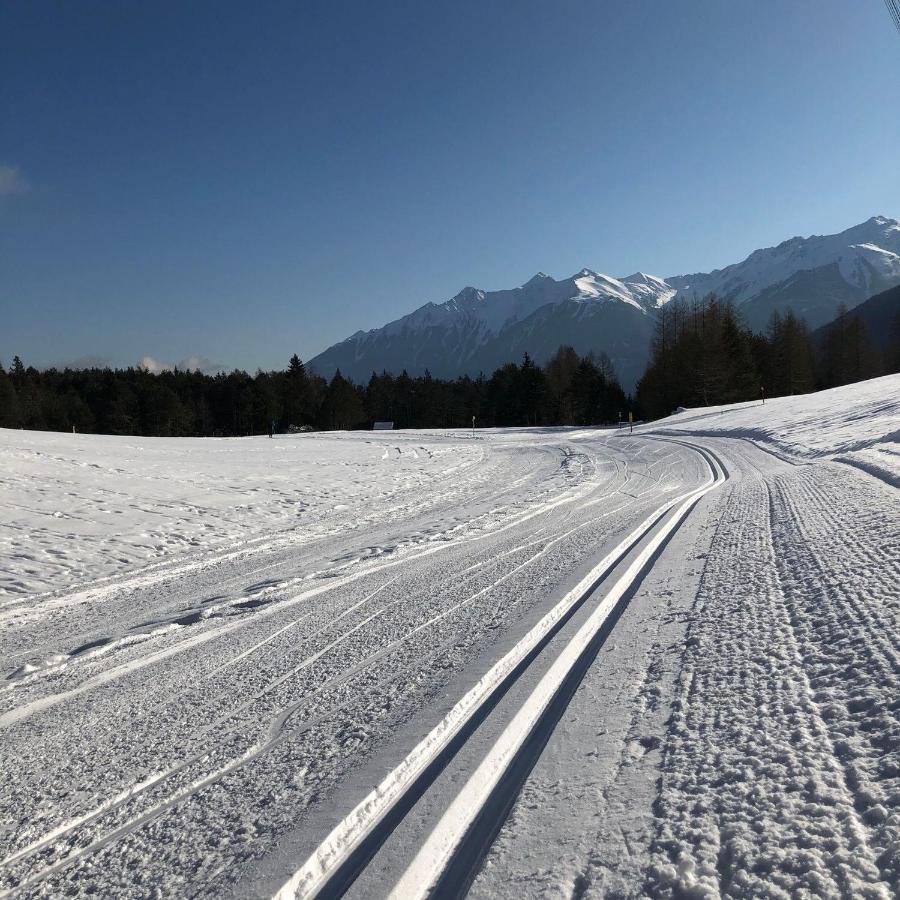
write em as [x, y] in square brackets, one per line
[477, 331]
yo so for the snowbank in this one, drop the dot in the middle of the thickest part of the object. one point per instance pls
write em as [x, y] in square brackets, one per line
[857, 424]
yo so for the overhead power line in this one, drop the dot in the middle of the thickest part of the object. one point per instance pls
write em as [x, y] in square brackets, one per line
[893, 7]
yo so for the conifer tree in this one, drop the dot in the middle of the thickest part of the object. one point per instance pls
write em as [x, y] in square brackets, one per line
[343, 407]
[9, 403]
[295, 394]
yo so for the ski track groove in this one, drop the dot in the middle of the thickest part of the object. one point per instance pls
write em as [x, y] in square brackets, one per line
[338, 848]
[717, 835]
[130, 795]
[778, 766]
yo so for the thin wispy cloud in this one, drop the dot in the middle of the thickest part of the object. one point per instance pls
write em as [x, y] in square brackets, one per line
[151, 365]
[12, 181]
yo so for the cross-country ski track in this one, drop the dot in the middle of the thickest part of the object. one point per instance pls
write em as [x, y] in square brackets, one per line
[532, 662]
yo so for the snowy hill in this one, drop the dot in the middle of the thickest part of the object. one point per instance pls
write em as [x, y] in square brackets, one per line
[855, 424]
[477, 331]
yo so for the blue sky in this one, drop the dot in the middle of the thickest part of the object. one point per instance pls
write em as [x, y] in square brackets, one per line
[238, 182]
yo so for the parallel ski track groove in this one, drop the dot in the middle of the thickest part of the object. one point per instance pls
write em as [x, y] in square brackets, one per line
[451, 856]
[277, 731]
[339, 859]
[275, 735]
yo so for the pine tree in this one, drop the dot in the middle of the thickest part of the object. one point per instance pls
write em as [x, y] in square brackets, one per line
[343, 407]
[701, 355]
[560, 371]
[797, 355]
[531, 386]
[892, 360]
[9, 402]
[295, 395]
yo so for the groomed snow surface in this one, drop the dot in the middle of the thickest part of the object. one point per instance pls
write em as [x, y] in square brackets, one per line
[518, 663]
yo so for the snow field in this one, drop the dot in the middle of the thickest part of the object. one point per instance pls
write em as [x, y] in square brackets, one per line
[759, 758]
[426, 869]
[424, 874]
[198, 722]
[251, 719]
[772, 784]
[858, 424]
[81, 507]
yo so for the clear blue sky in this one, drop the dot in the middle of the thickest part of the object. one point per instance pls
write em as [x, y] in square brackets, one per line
[243, 181]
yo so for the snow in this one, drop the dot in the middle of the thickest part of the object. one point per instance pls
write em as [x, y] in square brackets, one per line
[866, 257]
[858, 424]
[82, 506]
[650, 291]
[775, 776]
[874, 243]
[419, 879]
[635, 679]
[593, 287]
[480, 315]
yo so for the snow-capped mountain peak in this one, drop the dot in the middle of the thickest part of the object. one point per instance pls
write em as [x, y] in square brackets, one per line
[651, 292]
[478, 330]
[593, 287]
[865, 257]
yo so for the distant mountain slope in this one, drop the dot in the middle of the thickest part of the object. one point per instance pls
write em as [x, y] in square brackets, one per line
[880, 315]
[613, 328]
[477, 331]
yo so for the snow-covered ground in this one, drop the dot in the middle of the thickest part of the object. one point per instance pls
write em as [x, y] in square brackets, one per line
[531, 662]
[858, 424]
[78, 507]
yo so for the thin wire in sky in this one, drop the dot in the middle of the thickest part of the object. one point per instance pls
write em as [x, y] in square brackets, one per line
[893, 7]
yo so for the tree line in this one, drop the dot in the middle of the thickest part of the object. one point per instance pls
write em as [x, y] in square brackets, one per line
[569, 390]
[701, 355]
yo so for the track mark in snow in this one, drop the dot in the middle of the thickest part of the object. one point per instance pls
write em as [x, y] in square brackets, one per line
[752, 797]
[132, 794]
[841, 590]
[453, 851]
[337, 851]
